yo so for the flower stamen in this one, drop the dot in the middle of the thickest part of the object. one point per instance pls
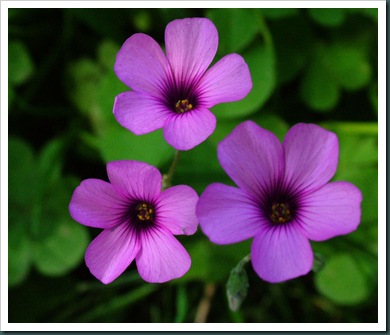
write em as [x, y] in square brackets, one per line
[280, 213]
[183, 106]
[144, 212]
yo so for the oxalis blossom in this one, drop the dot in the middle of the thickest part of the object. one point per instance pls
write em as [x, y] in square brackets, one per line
[139, 221]
[283, 200]
[175, 91]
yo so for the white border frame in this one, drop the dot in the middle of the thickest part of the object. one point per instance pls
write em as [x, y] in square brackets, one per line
[380, 326]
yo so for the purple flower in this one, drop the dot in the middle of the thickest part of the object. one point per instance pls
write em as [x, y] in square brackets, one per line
[283, 199]
[174, 91]
[139, 221]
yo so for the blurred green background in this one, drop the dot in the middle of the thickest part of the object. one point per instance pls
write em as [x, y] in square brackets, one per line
[307, 65]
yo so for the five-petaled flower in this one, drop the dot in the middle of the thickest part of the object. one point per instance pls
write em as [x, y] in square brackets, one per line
[283, 200]
[175, 91]
[139, 221]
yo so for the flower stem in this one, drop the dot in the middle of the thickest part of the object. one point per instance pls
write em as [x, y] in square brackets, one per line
[166, 182]
[245, 260]
[205, 304]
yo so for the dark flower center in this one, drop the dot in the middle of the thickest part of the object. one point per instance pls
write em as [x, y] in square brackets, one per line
[183, 106]
[141, 215]
[280, 212]
[144, 212]
[181, 96]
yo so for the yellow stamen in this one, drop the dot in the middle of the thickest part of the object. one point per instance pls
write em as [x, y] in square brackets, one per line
[183, 106]
[144, 212]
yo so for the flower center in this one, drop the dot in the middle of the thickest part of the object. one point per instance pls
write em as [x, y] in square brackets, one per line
[144, 212]
[280, 212]
[183, 106]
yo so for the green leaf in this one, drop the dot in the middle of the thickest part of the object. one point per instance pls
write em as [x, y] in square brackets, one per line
[359, 151]
[19, 249]
[143, 20]
[319, 89]
[237, 28]
[22, 173]
[342, 281]
[93, 86]
[50, 162]
[349, 66]
[366, 179]
[261, 62]
[51, 207]
[331, 17]
[119, 143]
[109, 87]
[200, 252]
[342, 64]
[84, 77]
[39, 198]
[279, 13]
[63, 250]
[358, 164]
[20, 65]
[106, 54]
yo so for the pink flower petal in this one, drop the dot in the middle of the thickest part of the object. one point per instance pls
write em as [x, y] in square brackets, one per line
[191, 45]
[281, 253]
[95, 203]
[135, 180]
[187, 130]
[227, 214]
[142, 65]
[330, 211]
[162, 257]
[252, 157]
[226, 81]
[176, 210]
[111, 252]
[139, 112]
[311, 155]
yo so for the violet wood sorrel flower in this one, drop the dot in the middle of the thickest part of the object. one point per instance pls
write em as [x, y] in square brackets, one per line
[283, 200]
[174, 91]
[139, 221]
